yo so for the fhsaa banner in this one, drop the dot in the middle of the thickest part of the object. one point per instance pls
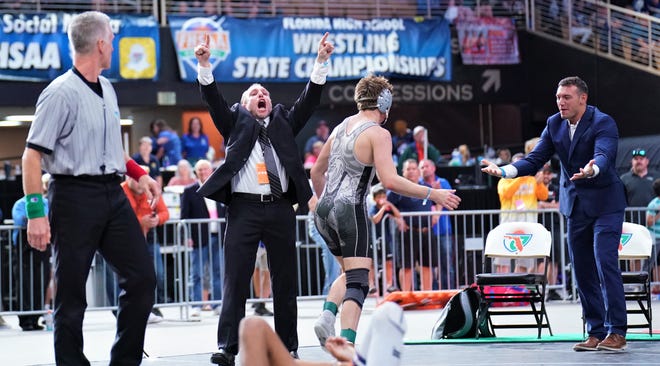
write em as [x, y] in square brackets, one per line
[35, 47]
[283, 49]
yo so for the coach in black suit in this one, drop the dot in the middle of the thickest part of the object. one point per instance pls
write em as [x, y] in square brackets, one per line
[260, 180]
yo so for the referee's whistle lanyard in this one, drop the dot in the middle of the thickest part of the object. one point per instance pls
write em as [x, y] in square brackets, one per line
[105, 122]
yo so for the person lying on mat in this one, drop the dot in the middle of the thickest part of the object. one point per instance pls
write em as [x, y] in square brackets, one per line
[382, 344]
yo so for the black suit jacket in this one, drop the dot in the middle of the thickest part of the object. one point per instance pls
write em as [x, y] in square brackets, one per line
[194, 207]
[241, 131]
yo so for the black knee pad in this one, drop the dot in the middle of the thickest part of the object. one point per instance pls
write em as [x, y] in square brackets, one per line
[357, 285]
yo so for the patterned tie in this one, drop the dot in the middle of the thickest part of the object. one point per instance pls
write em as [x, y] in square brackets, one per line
[271, 167]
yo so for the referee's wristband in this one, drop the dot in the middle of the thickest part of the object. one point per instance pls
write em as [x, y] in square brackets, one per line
[503, 172]
[34, 206]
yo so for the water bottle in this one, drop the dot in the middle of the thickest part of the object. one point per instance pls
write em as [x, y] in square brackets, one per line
[48, 318]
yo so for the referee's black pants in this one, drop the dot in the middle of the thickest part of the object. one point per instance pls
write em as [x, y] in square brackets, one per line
[86, 216]
[273, 223]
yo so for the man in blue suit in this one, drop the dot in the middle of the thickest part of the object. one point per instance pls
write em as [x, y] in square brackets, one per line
[592, 198]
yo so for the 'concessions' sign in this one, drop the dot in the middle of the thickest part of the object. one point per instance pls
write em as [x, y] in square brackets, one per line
[35, 47]
[283, 49]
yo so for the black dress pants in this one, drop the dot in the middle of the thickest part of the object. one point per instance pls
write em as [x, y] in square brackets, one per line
[87, 216]
[273, 223]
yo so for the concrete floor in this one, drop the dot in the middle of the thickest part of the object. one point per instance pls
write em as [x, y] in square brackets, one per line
[178, 342]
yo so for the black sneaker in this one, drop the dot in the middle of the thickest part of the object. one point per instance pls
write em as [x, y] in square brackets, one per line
[261, 310]
[223, 357]
[553, 295]
[156, 311]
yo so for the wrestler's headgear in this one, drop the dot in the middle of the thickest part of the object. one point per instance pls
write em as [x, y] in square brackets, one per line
[383, 103]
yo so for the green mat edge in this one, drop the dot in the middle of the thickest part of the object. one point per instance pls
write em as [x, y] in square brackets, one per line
[527, 339]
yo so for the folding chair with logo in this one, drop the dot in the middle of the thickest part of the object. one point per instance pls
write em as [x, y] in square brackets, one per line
[636, 244]
[516, 240]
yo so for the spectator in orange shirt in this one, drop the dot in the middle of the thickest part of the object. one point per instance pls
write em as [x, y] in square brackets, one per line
[149, 219]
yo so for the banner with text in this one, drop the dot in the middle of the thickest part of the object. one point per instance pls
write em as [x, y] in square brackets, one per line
[284, 49]
[35, 47]
[488, 41]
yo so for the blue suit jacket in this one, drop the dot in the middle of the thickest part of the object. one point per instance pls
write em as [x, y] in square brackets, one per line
[596, 138]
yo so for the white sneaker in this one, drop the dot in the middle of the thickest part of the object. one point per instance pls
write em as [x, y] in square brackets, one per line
[153, 319]
[324, 327]
[196, 312]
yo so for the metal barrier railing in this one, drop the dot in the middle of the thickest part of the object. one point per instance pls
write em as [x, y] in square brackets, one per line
[458, 257]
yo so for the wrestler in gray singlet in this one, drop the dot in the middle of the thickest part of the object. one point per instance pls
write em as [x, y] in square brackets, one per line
[341, 214]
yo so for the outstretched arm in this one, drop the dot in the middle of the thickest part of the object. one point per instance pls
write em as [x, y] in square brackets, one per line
[380, 140]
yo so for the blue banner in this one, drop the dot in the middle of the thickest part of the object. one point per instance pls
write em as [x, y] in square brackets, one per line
[35, 47]
[284, 49]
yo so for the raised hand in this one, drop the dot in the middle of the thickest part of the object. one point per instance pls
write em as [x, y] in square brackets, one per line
[325, 49]
[586, 172]
[491, 168]
[445, 198]
[202, 52]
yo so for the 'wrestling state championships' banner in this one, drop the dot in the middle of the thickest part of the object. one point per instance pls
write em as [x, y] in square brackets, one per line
[283, 49]
[35, 47]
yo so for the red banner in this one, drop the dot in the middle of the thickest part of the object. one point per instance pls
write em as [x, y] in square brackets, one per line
[488, 41]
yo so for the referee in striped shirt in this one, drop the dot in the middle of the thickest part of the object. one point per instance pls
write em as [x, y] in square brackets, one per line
[76, 137]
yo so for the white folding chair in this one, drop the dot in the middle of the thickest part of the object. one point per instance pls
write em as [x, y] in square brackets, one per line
[515, 240]
[636, 244]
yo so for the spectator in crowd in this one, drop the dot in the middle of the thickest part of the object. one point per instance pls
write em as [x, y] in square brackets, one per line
[401, 138]
[516, 195]
[35, 271]
[466, 157]
[653, 7]
[418, 248]
[184, 175]
[442, 229]
[311, 158]
[331, 267]
[653, 223]
[582, 21]
[639, 180]
[261, 282]
[322, 133]
[149, 218]
[551, 221]
[351, 160]
[145, 157]
[90, 211]
[416, 151]
[204, 237]
[261, 178]
[382, 344]
[167, 143]
[503, 156]
[195, 142]
[385, 235]
[593, 200]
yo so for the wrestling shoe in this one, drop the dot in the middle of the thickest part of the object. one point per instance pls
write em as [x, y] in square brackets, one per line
[324, 327]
